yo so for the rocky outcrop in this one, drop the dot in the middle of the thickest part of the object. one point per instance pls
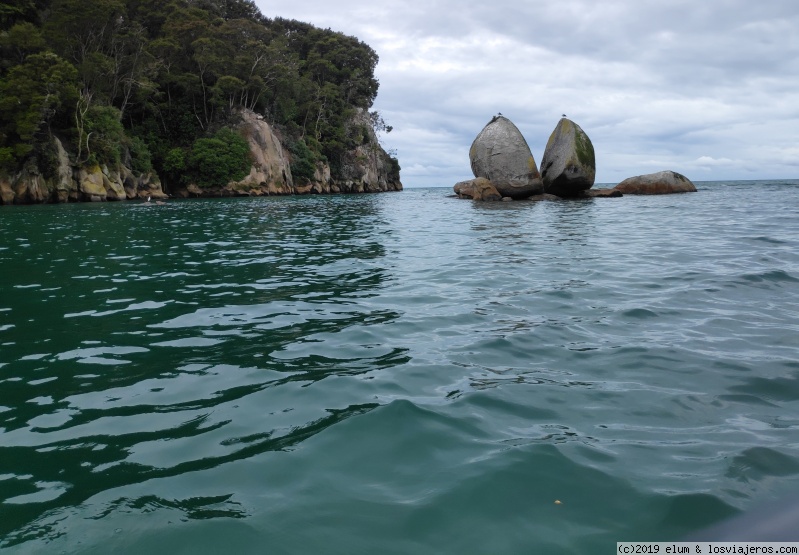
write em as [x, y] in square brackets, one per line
[660, 183]
[31, 186]
[7, 194]
[142, 186]
[64, 183]
[67, 183]
[500, 154]
[568, 167]
[90, 183]
[99, 184]
[367, 168]
[271, 163]
[479, 188]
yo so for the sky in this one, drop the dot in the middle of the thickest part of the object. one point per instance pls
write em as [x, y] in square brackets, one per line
[706, 88]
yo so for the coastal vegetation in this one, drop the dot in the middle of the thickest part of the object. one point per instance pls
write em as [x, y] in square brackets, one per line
[160, 85]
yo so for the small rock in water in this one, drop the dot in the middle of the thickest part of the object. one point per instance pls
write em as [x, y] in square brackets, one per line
[477, 189]
[660, 183]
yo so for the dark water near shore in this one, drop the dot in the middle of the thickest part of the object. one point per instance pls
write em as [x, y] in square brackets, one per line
[396, 373]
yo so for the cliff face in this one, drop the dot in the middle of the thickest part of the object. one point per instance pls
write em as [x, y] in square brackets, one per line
[365, 169]
[67, 183]
[368, 168]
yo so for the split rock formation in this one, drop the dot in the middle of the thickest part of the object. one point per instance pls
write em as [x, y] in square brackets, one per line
[504, 168]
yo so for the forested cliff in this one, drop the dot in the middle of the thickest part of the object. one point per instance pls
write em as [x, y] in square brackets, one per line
[107, 99]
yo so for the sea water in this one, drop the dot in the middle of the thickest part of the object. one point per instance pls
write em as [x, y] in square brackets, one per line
[396, 373]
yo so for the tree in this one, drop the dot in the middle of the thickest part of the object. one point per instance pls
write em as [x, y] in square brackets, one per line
[21, 40]
[13, 11]
[79, 28]
[30, 95]
[171, 73]
[104, 135]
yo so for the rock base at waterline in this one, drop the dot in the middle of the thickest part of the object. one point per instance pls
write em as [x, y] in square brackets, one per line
[660, 183]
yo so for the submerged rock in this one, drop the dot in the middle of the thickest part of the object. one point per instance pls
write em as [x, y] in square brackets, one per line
[568, 167]
[501, 155]
[603, 193]
[543, 196]
[660, 183]
[477, 189]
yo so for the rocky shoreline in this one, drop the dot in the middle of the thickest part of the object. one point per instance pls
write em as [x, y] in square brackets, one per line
[365, 169]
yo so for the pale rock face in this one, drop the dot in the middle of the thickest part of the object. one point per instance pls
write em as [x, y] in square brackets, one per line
[568, 167]
[660, 183]
[501, 155]
[64, 184]
[30, 187]
[90, 183]
[271, 167]
[366, 169]
[112, 181]
[7, 194]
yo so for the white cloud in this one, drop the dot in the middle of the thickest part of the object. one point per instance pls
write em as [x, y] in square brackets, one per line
[704, 88]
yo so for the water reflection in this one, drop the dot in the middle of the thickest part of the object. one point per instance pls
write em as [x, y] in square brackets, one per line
[181, 337]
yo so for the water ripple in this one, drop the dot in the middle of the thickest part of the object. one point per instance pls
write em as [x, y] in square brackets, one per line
[403, 371]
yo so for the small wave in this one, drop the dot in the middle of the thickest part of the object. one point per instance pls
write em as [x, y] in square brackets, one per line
[775, 276]
[640, 313]
[769, 240]
[759, 463]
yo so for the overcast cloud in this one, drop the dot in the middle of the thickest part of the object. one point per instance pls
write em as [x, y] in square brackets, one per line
[708, 88]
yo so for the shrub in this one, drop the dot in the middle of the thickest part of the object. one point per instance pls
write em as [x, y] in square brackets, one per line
[394, 173]
[303, 161]
[173, 167]
[220, 159]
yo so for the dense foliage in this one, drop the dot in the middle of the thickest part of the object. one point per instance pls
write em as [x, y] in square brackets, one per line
[158, 82]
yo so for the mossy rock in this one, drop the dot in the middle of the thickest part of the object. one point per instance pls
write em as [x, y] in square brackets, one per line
[568, 167]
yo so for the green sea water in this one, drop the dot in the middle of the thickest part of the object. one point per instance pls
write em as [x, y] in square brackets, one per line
[396, 373]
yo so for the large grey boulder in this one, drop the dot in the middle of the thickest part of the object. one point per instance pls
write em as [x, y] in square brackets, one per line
[660, 183]
[501, 155]
[568, 167]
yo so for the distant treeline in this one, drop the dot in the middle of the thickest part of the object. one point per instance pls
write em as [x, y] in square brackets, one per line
[148, 79]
